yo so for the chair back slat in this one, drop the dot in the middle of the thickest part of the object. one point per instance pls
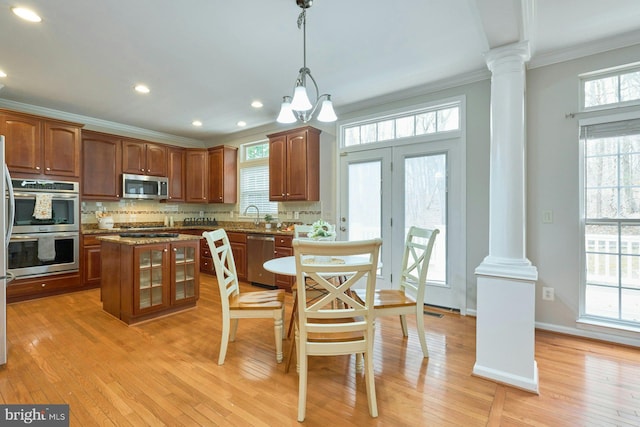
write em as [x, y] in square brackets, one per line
[415, 261]
[224, 264]
[333, 311]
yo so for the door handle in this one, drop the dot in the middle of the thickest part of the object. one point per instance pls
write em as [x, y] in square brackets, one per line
[343, 228]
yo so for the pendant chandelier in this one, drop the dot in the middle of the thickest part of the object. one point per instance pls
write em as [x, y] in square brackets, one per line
[300, 108]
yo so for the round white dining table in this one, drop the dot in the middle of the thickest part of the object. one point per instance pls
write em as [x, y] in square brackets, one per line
[287, 265]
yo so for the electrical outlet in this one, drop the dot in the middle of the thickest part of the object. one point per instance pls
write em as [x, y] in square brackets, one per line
[231, 214]
[296, 215]
[201, 214]
[548, 294]
[547, 217]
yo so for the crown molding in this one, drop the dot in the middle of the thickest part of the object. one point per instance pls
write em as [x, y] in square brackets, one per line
[584, 49]
[92, 123]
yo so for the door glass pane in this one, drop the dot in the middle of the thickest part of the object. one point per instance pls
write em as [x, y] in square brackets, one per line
[365, 200]
[426, 205]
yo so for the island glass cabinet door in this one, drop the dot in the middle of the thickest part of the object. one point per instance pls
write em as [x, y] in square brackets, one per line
[184, 262]
[151, 278]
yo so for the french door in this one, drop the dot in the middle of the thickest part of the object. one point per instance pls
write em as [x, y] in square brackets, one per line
[385, 191]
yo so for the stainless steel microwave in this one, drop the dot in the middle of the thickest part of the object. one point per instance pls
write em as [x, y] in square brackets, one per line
[144, 187]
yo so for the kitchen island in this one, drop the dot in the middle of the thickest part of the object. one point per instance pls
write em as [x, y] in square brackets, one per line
[147, 275]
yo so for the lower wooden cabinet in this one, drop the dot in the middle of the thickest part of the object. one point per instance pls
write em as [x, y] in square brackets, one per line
[284, 247]
[25, 289]
[239, 248]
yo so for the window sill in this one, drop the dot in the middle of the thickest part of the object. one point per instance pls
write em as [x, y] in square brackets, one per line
[607, 327]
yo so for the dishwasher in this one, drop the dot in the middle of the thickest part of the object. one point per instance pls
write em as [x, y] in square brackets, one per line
[260, 248]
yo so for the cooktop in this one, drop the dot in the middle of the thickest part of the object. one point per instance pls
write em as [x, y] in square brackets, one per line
[149, 235]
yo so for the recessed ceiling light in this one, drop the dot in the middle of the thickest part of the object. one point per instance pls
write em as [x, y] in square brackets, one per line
[196, 123]
[142, 89]
[241, 123]
[256, 104]
[3, 74]
[26, 14]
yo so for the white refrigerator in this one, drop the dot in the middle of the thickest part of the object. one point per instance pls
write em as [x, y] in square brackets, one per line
[6, 219]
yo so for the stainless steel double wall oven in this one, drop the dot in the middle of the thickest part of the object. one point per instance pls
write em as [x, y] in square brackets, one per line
[50, 244]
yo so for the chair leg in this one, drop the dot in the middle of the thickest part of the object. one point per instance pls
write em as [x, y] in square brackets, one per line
[420, 326]
[359, 363]
[302, 385]
[277, 326]
[370, 383]
[292, 348]
[224, 340]
[293, 316]
[403, 324]
[234, 329]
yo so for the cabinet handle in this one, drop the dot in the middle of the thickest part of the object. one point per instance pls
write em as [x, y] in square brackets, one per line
[166, 250]
[48, 169]
[37, 168]
[282, 194]
[175, 249]
[43, 285]
[142, 170]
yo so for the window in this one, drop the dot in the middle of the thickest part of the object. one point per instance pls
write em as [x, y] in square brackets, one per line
[422, 122]
[611, 209]
[254, 178]
[613, 88]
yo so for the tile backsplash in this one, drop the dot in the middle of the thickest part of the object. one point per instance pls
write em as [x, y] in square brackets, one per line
[145, 211]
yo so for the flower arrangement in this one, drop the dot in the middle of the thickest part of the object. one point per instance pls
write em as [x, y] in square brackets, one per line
[321, 229]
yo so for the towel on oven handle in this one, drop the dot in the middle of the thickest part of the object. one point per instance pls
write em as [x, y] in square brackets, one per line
[42, 209]
[46, 248]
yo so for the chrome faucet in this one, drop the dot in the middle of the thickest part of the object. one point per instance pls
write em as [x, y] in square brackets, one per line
[257, 221]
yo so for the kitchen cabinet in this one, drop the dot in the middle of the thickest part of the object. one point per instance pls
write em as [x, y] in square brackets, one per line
[40, 147]
[294, 165]
[146, 280]
[283, 248]
[176, 173]
[196, 175]
[90, 261]
[101, 166]
[38, 287]
[144, 158]
[238, 243]
[223, 182]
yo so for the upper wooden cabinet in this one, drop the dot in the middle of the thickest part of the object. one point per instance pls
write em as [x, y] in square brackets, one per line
[294, 170]
[101, 166]
[143, 158]
[176, 173]
[223, 181]
[39, 146]
[196, 175]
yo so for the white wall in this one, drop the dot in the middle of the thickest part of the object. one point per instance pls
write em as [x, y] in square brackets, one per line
[552, 174]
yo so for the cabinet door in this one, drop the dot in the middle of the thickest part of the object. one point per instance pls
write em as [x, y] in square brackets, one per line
[175, 172]
[133, 157]
[61, 149]
[101, 166]
[156, 160]
[23, 149]
[151, 279]
[223, 175]
[239, 251]
[283, 281]
[91, 265]
[296, 166]
[277, 168]
[196, 176]
[184, 274]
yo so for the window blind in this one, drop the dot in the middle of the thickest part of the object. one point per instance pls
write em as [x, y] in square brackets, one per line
[254, 189]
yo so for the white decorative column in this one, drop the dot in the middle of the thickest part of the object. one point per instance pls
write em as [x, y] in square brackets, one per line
[505, 333]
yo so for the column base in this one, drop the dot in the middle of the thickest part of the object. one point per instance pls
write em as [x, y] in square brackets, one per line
[512, 268]
[505, 331]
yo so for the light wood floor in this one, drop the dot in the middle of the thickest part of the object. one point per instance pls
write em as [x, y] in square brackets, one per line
[65, 349]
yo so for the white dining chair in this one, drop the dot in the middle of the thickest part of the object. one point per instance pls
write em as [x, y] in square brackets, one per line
[413, 279]
[335, 323]
[249, 305]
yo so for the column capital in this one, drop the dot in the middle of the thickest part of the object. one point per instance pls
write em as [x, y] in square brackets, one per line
[518, 51]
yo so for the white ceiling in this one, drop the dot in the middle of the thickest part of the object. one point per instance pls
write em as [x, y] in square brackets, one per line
[209, 60]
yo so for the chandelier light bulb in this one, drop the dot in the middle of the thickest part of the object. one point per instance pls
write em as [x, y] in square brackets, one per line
[301, 99]
[286, 113]
[326, 111]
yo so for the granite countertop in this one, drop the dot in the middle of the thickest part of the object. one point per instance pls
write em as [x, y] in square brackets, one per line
[133, 241]
[241, 228]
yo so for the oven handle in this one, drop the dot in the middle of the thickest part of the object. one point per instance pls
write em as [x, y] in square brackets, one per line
[57, 195]
[35, 238]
